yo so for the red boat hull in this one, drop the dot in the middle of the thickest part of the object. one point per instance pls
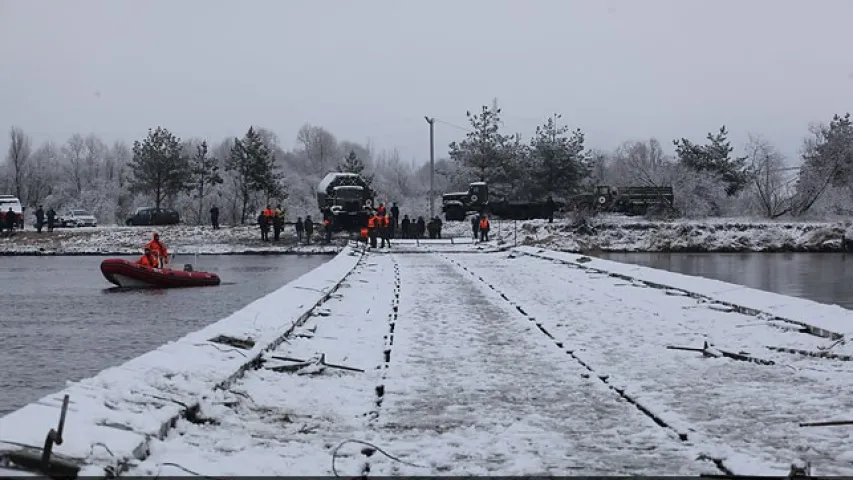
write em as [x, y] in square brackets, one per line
[128, 274]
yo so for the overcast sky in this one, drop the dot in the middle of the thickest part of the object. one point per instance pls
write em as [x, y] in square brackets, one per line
[371, 69]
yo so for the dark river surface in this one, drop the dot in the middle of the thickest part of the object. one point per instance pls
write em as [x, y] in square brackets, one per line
[822, 277]
[61, 320]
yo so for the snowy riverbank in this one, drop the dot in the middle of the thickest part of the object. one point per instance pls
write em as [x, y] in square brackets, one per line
[615, 234]
[608, 234]
[180, 239]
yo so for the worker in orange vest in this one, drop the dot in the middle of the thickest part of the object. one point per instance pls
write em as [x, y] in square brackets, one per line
[371, 229]
[327, 229]
[148, 259]
[158, 249]
[385, 230]
[484, 229]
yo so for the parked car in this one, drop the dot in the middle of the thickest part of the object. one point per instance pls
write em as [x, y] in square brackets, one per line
[12, 201]
[153, 216]
[77, 218]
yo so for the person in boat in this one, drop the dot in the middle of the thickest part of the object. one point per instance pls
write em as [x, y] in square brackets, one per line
[159, 250]
[148, 259]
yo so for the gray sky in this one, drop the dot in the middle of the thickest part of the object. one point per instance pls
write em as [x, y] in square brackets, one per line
[373, 68]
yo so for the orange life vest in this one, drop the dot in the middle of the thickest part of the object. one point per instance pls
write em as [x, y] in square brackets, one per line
[363, 233]
[484, 223]
[159, 250]
[386, 221]
[147, 261]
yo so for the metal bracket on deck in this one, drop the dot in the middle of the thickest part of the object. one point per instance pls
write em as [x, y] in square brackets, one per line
[29, 459]
[54, 436]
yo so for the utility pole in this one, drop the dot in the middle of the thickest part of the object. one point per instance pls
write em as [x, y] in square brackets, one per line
[431, 122]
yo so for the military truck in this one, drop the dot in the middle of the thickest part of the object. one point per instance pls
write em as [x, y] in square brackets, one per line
[627, 200]
[345, 200]
[457, 205]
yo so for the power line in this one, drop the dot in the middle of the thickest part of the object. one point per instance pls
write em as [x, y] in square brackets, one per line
[452, 125]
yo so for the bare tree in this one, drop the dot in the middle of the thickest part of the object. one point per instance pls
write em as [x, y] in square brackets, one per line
[641, 163]
[74, 152]
[320, 148]
[772, 191]
[42, 173]
[18, 156]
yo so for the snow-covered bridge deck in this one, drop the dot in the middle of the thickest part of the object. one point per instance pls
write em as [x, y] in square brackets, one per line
[480, 362]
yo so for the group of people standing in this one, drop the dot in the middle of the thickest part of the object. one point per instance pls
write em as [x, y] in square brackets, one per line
[273, 219]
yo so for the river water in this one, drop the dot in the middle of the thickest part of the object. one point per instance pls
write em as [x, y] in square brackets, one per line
[822, 277]
[61, 320]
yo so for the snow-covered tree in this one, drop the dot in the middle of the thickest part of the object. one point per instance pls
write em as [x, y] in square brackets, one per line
[254, 170]
[827, 161]
[204, 171]
[771, 190]
[159, 166]
[485, 152]
[558, 163]
[715, 157]
[18, 157]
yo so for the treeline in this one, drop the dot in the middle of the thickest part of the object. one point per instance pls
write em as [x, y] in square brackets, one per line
[707, 178]
[242, 174]
[239, 175]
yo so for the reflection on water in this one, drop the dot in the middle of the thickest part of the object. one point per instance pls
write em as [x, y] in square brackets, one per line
[822, 277]
[61, 320]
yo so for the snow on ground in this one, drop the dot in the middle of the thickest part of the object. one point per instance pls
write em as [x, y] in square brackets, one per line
[288, 423]
[473, 390]
[825, 320]
[180, 239]
[473, 364]
[113, 415]
[733, 409]
[626, 234]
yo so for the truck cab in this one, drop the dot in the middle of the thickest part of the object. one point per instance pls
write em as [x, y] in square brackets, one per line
[456, 205]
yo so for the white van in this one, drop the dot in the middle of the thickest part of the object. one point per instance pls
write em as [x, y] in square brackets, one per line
[7, 201]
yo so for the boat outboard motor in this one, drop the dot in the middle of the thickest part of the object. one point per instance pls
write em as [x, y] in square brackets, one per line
[188, 267]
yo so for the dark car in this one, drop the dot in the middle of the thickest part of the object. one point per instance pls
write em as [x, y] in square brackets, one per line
[153, 216]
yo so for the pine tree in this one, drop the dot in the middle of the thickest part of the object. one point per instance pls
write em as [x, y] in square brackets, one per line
[159, 166]
[715, 157]
[485, 152]
[255, 170]
[558, 162]
[353, 164]
[205, 174]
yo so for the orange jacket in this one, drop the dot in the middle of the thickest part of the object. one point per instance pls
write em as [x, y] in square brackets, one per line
[370, 221]
[386, 221]
[381, 210]
[147, 260]
[484, 223]
[159, 250]
[363, 233]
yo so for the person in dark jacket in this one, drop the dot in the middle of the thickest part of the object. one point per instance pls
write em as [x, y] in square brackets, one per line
[475, 226]
[395, 219]
[265, 227]
[11, 220]
[404, 226]
[421, 228]
[309, 228]
[214, 217]
[51, 219]
[277, 222]
[39, 218]
[438, 225]
[300, 228]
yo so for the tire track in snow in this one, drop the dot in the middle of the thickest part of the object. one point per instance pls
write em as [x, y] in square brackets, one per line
[658, 419]
[389, 344]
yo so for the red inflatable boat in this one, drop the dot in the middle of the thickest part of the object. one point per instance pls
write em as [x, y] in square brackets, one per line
[129, 274]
